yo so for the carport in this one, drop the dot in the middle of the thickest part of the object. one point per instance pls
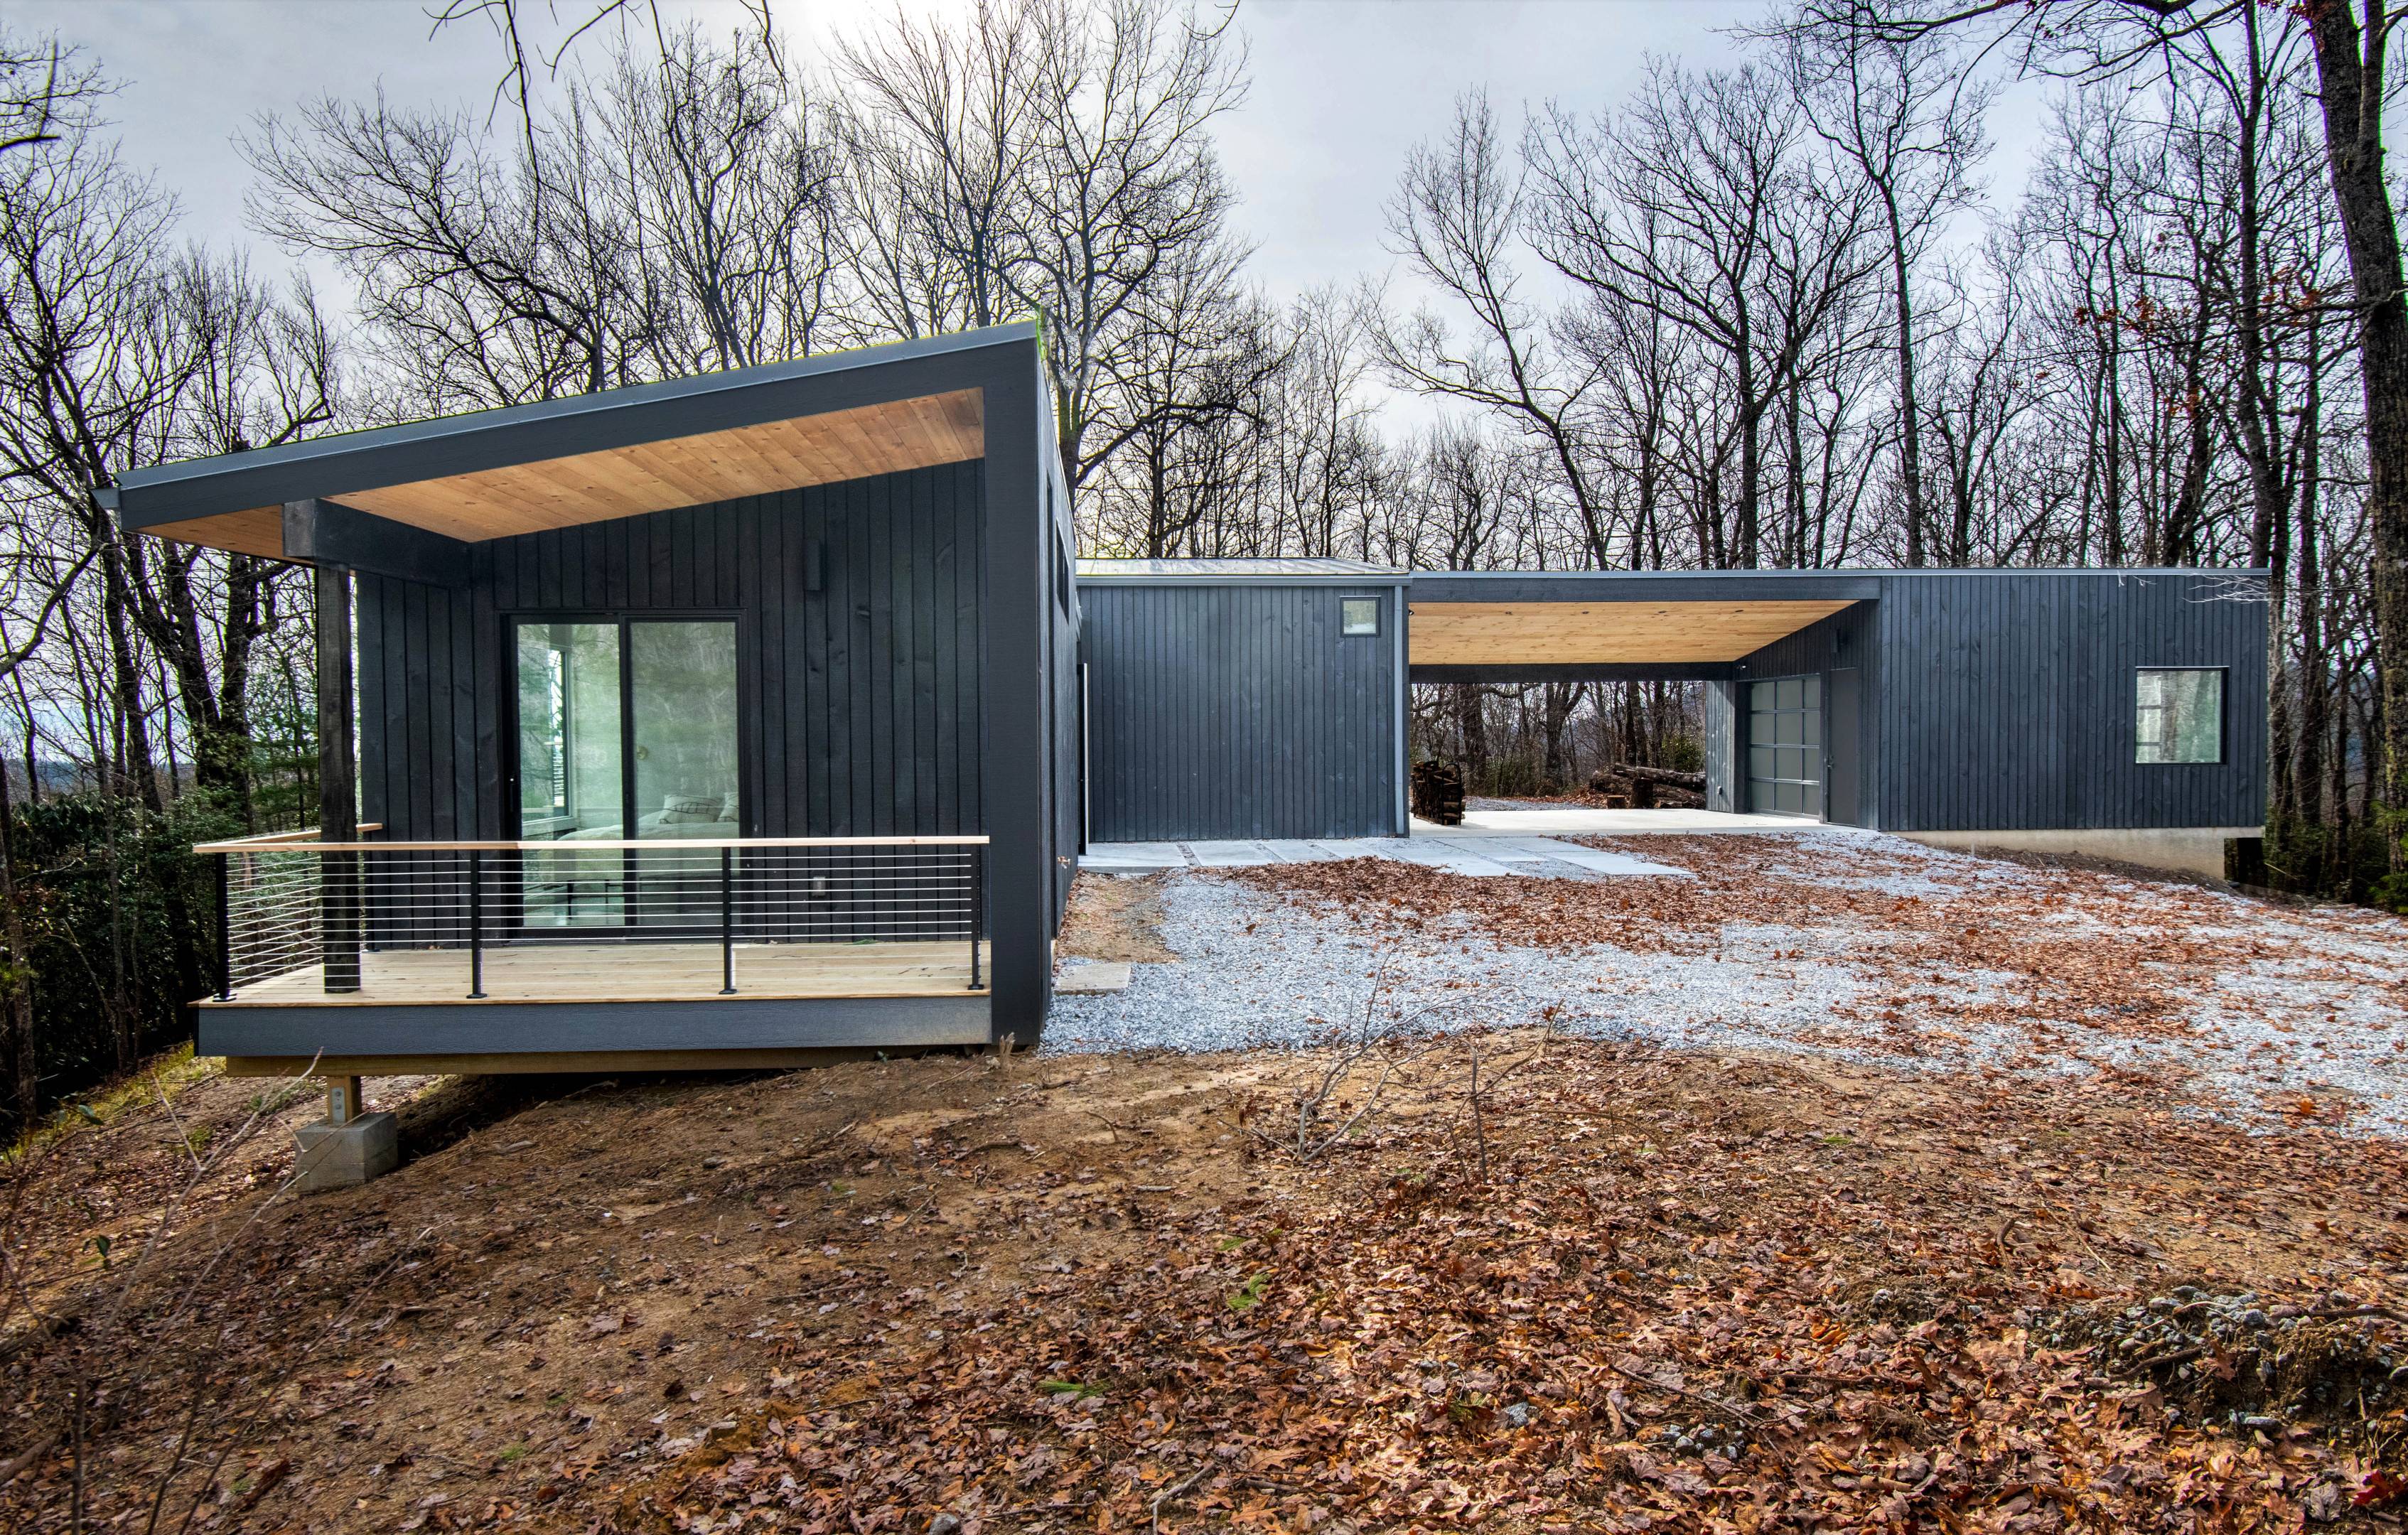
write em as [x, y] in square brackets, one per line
[1782, 653]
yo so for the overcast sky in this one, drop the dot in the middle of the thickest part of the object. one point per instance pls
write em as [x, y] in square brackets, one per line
[1341, 89]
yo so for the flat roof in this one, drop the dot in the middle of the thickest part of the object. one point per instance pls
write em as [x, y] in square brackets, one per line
[1272, 571]
[586, 458]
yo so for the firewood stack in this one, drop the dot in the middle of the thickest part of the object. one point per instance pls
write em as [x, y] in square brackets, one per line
[1438, 792]
[1648, 788]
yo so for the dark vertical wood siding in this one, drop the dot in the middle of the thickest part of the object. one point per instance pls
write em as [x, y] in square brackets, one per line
[1726, 785]
[1239, 710]
[861, 700]
[2005, 700]
[1066, 616]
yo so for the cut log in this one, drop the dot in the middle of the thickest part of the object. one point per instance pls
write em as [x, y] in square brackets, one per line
[1669, 776]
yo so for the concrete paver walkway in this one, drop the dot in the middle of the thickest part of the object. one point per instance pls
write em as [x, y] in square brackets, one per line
[1489, 842]
[1486, 855]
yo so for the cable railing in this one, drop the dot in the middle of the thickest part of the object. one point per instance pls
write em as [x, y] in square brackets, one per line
[424, 922]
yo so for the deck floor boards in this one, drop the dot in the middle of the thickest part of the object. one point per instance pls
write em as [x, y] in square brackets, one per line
[628, 972]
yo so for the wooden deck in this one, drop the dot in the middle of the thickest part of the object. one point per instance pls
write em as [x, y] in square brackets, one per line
[629, 972]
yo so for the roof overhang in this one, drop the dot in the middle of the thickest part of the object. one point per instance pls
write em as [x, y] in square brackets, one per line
[622, 452]
[1603, 633]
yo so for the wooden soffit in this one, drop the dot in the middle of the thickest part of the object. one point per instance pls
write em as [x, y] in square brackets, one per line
[632, 479]
[1540, 634]
[258, 531]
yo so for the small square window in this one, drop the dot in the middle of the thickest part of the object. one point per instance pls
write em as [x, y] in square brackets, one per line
[1359, 615]
[2178, 715]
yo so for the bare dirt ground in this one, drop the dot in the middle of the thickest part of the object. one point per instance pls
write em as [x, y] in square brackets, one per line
[1117, 920]
[1544, 1284]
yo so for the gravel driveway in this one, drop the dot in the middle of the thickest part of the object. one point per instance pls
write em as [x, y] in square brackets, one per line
[1869, 948]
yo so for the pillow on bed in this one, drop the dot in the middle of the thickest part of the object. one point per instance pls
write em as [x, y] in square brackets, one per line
[727, 807]
[689, 809]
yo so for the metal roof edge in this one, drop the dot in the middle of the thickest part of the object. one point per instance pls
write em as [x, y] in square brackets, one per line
[1365, 578]
[158, 483]
[1834, 571]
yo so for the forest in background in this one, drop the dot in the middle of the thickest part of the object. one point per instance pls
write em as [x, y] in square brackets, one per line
[1765, 315]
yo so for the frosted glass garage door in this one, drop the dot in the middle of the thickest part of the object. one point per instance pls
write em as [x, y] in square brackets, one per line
[1785, 746]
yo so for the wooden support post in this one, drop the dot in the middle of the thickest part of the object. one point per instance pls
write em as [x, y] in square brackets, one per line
[344, 1103]
[338, 816]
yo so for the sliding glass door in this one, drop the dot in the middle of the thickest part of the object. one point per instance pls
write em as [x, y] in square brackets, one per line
[628, 732]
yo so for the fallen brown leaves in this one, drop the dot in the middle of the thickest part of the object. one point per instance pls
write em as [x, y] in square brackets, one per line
[1698, 1292]
[1676, 1305]
[2064, 957]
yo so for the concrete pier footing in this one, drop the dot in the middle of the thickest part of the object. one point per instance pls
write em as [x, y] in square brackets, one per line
[344, 1155]
[350, 1146]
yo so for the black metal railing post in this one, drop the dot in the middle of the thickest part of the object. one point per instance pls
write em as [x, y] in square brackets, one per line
[978, 910]
[476, 926]
[225, 930]
[339, 918]
[726, 922]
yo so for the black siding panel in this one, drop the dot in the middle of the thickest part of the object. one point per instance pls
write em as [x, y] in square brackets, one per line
[1238, 711]
[870, 685]
[2005, 699]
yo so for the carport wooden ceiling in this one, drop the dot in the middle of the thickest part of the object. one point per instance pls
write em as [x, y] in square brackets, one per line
[1541, 634]
[498, 503]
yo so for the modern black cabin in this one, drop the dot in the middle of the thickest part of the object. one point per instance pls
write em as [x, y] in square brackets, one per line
[717, 721]
[734, 720]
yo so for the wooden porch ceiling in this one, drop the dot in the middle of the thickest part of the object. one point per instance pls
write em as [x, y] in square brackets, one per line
[1540, 634]
[626, 481]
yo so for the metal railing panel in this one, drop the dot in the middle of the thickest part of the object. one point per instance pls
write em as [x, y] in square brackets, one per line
[288, 908]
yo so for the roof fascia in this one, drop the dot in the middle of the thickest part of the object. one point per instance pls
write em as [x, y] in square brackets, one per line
[333, 466]
[1362, 578]
[1650, 586]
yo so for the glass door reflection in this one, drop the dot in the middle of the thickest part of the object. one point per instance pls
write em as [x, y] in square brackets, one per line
[628, 731]
[682, 734]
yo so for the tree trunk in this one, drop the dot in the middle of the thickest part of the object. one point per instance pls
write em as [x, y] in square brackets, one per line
[2350, 76]
[16, 976]
[1474, 725]
[1910, 424]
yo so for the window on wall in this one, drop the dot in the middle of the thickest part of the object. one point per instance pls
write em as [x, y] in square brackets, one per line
[1358, 616]
[2178, 715]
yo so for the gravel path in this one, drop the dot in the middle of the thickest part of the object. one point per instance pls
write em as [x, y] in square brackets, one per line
[2316, 1015]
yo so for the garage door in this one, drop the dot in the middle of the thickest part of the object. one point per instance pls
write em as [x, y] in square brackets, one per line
[1785, 746]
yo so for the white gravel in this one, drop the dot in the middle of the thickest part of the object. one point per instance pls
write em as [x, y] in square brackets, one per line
[2321, 1014]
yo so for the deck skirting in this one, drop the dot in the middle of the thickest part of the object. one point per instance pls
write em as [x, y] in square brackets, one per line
[505, 1028]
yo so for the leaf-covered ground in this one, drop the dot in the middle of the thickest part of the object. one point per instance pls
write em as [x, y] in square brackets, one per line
[1879, 948]
[1611, 1287]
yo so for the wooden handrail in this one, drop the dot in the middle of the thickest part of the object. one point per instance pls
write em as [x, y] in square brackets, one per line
[300, 842]
[275, 838]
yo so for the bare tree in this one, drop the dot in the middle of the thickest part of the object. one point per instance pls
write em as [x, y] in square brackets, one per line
[47, 91]
[1906, 114]
[1700, 205]
[1456, 218]
[732, 188]
[937, 125]
[2349, 41]
[1187, 398]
